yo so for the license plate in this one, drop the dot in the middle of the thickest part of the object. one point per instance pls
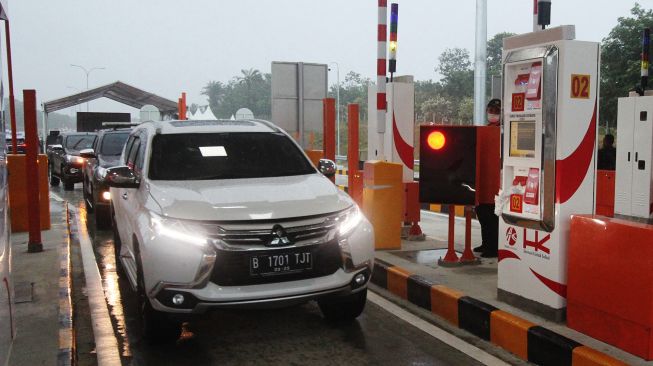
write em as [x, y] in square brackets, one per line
[282, 263]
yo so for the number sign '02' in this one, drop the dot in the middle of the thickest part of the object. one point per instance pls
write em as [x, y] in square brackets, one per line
[580, 86]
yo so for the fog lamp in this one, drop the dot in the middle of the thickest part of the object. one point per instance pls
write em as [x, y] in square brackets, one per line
[178, 299]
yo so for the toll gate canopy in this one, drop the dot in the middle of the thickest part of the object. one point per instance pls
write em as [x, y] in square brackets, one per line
[118, 91]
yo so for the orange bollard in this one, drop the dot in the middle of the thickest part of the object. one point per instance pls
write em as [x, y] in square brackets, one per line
[34, 244]
[468, 256]
[329, 130]
[451, 258]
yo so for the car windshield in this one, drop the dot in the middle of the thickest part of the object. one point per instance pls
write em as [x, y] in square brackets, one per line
[226, 156]
[112, 143]
[79, 142]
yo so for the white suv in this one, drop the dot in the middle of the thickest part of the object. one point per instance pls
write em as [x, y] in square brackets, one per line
[210, 214]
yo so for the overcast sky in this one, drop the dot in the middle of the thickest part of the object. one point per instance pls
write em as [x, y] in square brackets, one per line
[167, 47]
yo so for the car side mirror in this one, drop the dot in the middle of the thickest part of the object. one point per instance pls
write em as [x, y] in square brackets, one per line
[87, 154]
[327, 167]
[122, 177]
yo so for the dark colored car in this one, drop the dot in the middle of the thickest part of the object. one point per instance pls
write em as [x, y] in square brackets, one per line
[105, 153]
[20, 143]
[65, 163]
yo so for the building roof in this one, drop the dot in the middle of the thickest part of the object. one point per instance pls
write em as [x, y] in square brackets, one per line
[118, 91]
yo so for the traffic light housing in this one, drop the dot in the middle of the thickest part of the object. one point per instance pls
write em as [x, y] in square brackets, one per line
[459, 165]
[447, 170]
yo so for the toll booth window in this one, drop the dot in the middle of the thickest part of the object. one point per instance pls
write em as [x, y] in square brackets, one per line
[522, 139]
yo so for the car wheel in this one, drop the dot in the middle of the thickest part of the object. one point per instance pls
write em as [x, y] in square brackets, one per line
[102, 218]
[87, 197]
[345, 308]
[54, 181]
[117, 244]
[156, 326]
[67, 186]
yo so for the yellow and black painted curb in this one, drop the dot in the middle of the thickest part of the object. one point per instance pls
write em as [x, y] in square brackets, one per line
[525, 339]
[66, 353]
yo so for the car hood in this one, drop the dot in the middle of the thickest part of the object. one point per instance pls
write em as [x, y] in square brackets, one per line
[248, 199]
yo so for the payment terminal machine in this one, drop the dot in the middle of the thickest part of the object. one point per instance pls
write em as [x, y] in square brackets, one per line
[550, 98]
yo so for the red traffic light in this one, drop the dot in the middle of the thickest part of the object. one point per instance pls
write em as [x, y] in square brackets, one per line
[436, 140]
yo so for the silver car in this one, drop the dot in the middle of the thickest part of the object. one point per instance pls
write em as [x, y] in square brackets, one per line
[211, 214]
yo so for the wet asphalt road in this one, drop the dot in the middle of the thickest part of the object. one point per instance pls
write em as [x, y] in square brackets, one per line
[289, 336]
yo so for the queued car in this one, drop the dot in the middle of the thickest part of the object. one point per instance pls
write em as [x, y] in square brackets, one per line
[104, 153]
[64, 162]
[20, 142]
[212, 214]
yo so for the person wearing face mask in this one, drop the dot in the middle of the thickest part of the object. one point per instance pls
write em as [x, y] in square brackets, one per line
[485, 212]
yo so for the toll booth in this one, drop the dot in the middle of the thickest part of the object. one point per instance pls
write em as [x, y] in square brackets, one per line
[550, 94]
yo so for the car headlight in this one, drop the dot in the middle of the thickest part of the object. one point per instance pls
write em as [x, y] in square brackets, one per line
[349, 220]
[178, 230]
[74, 159]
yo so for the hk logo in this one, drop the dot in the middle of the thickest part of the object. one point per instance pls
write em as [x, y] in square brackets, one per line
[511, 236]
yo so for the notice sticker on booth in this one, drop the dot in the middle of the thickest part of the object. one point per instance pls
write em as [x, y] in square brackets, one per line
[516, 203]
[518, 102]
[532, 193]
[533, 88]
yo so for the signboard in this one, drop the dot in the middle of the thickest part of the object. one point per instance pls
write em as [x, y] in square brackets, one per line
[298, 89]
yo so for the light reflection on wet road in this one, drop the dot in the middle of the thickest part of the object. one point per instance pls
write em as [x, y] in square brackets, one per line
[289, 336]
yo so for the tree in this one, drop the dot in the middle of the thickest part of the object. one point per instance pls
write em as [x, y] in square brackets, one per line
[438, 109]
[215, 91]
[495, 52]
[620, 61]
[466, 111]
[457, 77]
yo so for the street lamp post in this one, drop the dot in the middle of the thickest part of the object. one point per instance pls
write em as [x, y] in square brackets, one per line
[337, 107]
[87, 73]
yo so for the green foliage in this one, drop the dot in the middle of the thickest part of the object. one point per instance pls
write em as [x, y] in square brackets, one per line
[251, 89]
[620, 61]
[494, 53]
[437, 109]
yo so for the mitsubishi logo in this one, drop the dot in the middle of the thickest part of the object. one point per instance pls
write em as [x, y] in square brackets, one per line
[279, 237]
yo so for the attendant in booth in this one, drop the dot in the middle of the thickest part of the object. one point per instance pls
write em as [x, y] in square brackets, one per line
[607, 157]
[485, 212]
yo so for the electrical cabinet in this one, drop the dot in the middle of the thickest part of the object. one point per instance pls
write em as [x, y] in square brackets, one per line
[633, 188]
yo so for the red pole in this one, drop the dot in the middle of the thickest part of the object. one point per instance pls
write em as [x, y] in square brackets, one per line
[179, 108]
[183, 106]
[468, 255]
[34, 244]
[329, 129]
[12, 105]
[352, 141]
[451, 258]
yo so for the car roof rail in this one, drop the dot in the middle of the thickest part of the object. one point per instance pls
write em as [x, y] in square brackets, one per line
[116, 125]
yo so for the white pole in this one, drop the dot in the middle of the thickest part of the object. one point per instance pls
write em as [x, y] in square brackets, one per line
[480, 63]
[536, 27]
[380, 77]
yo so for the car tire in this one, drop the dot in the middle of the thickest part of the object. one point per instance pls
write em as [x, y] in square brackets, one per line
[87, 197]
[67, 186]
[102, 218]
[343, 309]
[156, 326]
[117, 243]
[54, 181]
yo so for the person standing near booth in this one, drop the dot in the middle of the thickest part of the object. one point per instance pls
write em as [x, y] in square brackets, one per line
[485, 212]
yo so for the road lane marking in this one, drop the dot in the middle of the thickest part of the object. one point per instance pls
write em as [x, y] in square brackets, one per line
[106, 345]
[56, 197]
[435, 332]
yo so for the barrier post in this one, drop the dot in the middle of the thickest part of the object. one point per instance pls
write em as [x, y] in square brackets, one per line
[352, 144]
[451, 258]
[34, 244]
[183, 106]
[383, 198]
[329, 130]
[468, 256]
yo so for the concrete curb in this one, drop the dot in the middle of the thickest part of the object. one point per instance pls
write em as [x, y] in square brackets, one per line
[66, 354]
[526, 340]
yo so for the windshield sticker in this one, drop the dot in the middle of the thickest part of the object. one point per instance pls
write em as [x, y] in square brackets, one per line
[210, 151]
